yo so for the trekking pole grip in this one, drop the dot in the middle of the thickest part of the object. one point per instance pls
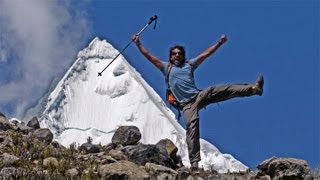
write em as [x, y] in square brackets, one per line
[153, 18]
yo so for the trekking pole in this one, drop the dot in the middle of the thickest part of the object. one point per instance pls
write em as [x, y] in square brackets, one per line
[153, 18]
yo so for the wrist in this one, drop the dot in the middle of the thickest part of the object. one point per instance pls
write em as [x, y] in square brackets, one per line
[138, 43]
[220, 42]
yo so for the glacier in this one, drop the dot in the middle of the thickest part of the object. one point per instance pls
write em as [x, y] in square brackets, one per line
[83, 104]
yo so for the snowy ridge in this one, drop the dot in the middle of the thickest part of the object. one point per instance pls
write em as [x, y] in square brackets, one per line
[83, 104]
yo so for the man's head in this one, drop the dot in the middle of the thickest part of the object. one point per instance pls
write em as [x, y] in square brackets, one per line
[177, 54]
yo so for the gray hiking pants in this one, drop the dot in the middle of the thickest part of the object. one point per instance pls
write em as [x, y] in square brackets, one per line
[203, 98]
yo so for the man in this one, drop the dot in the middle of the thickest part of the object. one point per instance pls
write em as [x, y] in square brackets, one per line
[181, 82]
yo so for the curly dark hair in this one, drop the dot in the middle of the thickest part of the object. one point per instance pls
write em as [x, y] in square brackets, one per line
[181, 48]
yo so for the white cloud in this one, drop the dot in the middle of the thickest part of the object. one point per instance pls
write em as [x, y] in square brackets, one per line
[3, 55]
[40, 39]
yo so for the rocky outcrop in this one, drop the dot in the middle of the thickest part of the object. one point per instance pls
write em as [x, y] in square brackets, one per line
[127, 138]
[284, 168]
[28, 152]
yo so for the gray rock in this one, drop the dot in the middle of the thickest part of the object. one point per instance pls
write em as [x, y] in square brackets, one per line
[74, 172]
[141, 154]
[166, 146]
[5, 141]
[55, 144]
[34, 123]
[122, 170]
[5, 124]
[89, 148]
[155, 168]
[117, 154]
[8, 173]
[108, 160]
[108, 147]
[24, 129]
[284, 168]
[50, 161]
[8, 160]
[126, 135]
[44, 135]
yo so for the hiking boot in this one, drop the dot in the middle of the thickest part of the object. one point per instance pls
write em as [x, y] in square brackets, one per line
[258, 86]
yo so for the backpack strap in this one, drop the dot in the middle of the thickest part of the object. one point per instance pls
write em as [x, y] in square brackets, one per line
[169, 66]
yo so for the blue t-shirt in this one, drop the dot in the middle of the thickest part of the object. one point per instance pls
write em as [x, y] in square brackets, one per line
[181, 80]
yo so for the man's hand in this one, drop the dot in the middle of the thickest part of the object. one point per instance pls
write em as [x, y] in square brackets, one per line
[135, 39]
[223, 39]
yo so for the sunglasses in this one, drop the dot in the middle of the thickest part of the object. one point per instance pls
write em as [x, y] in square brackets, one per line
[176, 53]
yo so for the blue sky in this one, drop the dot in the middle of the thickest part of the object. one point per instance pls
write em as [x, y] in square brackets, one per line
[279, 39]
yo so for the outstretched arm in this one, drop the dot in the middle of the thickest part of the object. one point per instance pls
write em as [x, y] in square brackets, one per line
[201, 57]
[153, 59]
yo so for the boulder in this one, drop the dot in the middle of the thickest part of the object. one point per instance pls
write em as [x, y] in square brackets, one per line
[50, 162]
[126, 135]
[89, 148]
[44, 135]
[284, 168]
[167, 146]
[8, 160]
[34, 123]
[122, 170]
[141, 154]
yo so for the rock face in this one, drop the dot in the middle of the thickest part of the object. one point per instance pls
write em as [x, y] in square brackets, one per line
[284, 168]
